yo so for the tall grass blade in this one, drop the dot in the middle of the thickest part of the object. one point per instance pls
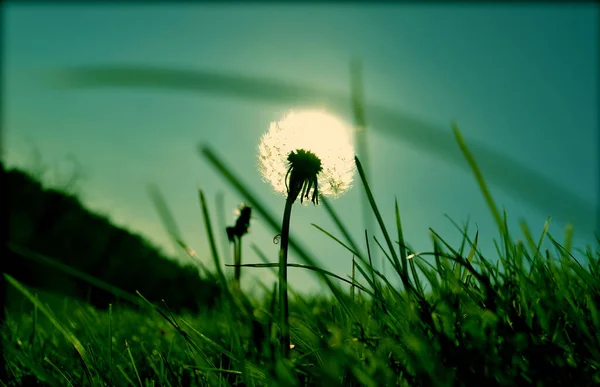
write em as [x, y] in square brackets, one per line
[340, 226]
[36, 257]
[307, 267]
[396, 262]
[222, 225]
[137, 374]
[479, 177]
[50, 316]
[167, 219]
[211, 241]
[470, 257]
[68, 380]
[402, 247]
[354, 252]
[361, 134]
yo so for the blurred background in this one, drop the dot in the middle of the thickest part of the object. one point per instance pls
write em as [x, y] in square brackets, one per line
[520, 81]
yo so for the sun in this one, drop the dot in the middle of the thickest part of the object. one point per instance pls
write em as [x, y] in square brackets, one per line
[316, 131]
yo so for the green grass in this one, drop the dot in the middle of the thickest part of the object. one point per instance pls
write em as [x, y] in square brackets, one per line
[525, 316]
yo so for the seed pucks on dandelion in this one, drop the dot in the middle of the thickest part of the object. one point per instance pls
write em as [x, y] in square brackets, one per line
[307, 153]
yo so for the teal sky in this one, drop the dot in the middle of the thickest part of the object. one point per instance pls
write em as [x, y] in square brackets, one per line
[521, 79]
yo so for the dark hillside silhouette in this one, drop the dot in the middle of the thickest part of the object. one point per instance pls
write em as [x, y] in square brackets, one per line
[56, 225]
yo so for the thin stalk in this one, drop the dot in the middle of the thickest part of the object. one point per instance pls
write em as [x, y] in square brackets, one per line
[353, 273]
[283, 296]
[237, 258]
[238, 273]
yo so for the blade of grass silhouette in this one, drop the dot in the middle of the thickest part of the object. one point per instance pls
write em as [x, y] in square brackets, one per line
[222, 225]
[340, 226]
[361, 140]
[479, 177]
[191, 344]
[213, 246]
[352, 246]
[263, 257]
[401, 243]
[79, 348]
[335, 239]
[245, 87]
[308, 267]
[168, 221]
[36, 257]
[58, 371]
[355, 265]
[539, 191]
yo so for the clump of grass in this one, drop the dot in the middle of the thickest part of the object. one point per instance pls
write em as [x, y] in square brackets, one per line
[525, 316]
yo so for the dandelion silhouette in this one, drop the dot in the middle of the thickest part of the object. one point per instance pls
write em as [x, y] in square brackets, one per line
[235, 234]
[242, 224]
[304, 155]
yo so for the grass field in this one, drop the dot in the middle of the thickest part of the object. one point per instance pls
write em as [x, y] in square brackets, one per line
[525, 316]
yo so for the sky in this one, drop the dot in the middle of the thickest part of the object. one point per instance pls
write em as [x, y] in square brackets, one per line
[519, 79]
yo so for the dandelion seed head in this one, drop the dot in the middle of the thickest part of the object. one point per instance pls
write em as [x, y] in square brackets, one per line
[315, 131]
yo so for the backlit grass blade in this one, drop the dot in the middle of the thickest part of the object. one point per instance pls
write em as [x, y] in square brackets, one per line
[401, 242]
[340, 226]
[222, 225]
[415, 274]
[211, 240]
[68, 380]
[137, 374]
[307, 267]
[171, 320]
[375, 284]
[396, 262]
[167, 219]
[36, 257]
[479, 177]
[470, 256]
[50, 316]
[192, 80]
[387, 256]
[354, 252]
[361, 134]
[544, 233]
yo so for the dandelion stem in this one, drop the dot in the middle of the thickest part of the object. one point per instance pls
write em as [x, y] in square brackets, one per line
[237, 260]
[283, 295]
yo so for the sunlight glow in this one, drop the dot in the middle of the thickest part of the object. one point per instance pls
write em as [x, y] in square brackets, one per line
[312, 130]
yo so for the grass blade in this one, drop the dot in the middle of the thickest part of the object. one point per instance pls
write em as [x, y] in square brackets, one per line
[386, 235]
[479, 177]
[133, 364]
[36, 257]
[50, 316]
[354, 252]
[402, 247]
[211, 241]
[307, 267]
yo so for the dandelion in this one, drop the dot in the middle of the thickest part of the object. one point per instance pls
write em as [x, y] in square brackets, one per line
[305, 155]
[235, 234]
